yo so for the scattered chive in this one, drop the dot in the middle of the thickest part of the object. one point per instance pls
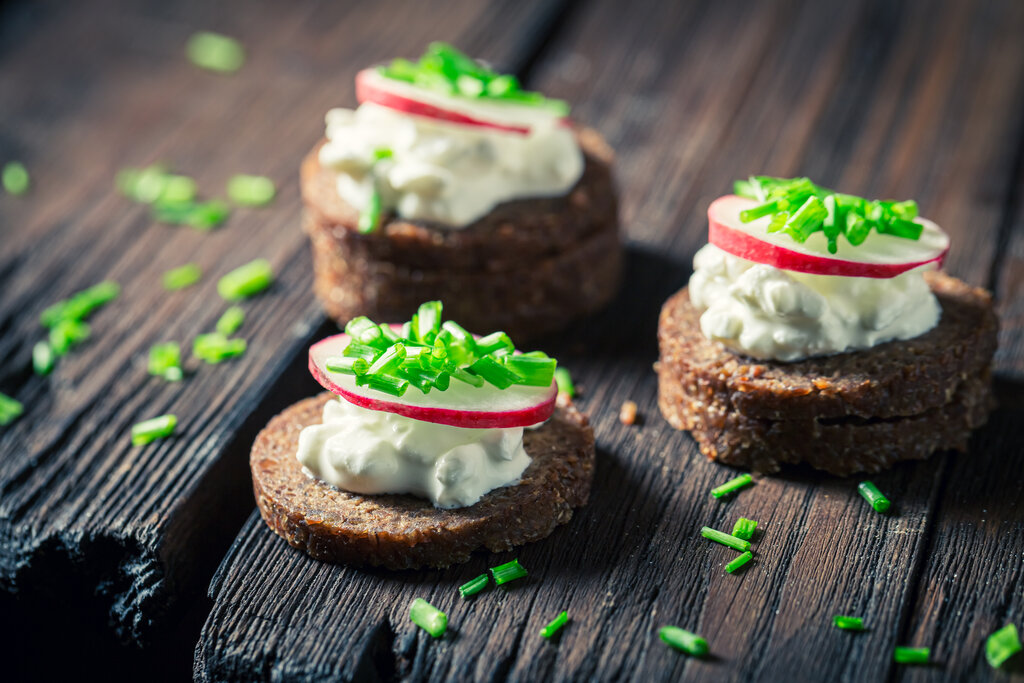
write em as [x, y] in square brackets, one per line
[182, 276]
[564, 381]
[231, 320]
[66, 334]
[739, 562]
[848, 623]
[684, 641]
[81, 304]
[178, 188]
[555, 625]
[911, 655]
[165, 361]
[1002, 645]
[214, 347]
[215, 52]
[246, 281]
[475, 586]
[725, 539]
[369, 218]
[872, 495]
[510, 571]
[744, 528]
[428, 617]
[152, 429]
[10, 409]
[43, 358]
[251, 190]
[15, 178]
[732, 486]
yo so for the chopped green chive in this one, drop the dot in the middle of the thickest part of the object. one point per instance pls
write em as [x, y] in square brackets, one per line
[510, 571]
[153, 429]
[215, 52]
[872, 495]
[231, 320]
[1002, 645]
[475, 586]
[555, 625]
[744, 528]
[732, 486]
[395, 386]
[246, 281]
[182, 277]
[347, 365]
[848, 623]
[165, 361]
[80, 305]
[10, 409]
[495, 341]
[536, 372]
[369, 218]
[15, 178]
[214, 347]
[739, 562]
[495, 373]
[684, 641]
[43, 358]
[564, 381]
[725, 539]
[66, 334]
[251, 190]
[199, 215]
[428, 617]
[911, 655]
[178, 188]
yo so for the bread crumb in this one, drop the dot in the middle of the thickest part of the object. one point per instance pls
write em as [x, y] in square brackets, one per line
[627, 413]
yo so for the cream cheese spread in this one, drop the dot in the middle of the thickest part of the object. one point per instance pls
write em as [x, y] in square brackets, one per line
[371, 451]
[444, 172]
[768, 313]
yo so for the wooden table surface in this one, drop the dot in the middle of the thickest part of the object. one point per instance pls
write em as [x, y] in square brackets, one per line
[107, 551]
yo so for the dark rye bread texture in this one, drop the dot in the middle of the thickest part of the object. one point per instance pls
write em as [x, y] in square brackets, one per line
[528, 267]
[853, 412]
[405, 532]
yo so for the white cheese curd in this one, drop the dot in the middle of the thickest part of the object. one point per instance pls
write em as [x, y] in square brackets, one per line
[372, 451]
[769, 313]
[444, 172]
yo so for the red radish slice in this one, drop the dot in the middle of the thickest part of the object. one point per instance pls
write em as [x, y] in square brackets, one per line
[371, 86]
[462, 405]
[879, 256]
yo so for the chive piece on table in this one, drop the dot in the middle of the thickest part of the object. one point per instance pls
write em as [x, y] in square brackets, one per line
[475, 586]
[81, 304]
[10, 409]
[555, 625]
[66, 334]
[369, 217]
[165, 361]
[182, 277]
[231, 320]
[510, 571]
[246, 281]
[564, 381]
[15, 178]
[251, 190]
[739, 562]
[744, 528]
[178, 188]
[43, 358]
[684, 641]
[214, 347]
[725, 539]
[1002, 645]
[155, 428]
[911, 655]
[428, 617]
[732, 486]
[215, 52]
[848, 623]
[872, 495]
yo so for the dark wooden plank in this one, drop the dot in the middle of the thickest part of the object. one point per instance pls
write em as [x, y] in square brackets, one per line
[87, 90]
[876, 97]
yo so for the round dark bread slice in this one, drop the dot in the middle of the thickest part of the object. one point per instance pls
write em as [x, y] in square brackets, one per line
[405, 532]
[852, 412]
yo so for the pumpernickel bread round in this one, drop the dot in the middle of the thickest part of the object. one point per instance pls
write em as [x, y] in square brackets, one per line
[405, 532]
[850, 412]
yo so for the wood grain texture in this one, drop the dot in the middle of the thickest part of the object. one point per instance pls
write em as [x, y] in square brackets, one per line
[896, 99]
[120, 541]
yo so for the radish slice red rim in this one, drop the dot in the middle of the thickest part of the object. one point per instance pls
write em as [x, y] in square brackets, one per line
[461, 405]
[508, 117]
[879, 256]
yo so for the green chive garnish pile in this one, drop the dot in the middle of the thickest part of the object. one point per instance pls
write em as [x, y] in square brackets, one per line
[684, 641]
[10, 409]
[1002, 645]
[555, 625]
[744, 528]
[732, 486]
[510, 571]
[446, 70]
[215, 52]
[872, 495]
[428, 617]
[165, 361]
[848, 623]
[15, 178]
[153, 429]
[182, 277]
[800, 208]
[251, 190]
[911, 655]
[428, 354]
[475, 586]
[725, 539]
[66, 322]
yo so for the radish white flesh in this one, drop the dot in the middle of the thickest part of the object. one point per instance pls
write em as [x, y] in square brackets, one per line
[462, 405]
[879, 256]
[508, 117]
